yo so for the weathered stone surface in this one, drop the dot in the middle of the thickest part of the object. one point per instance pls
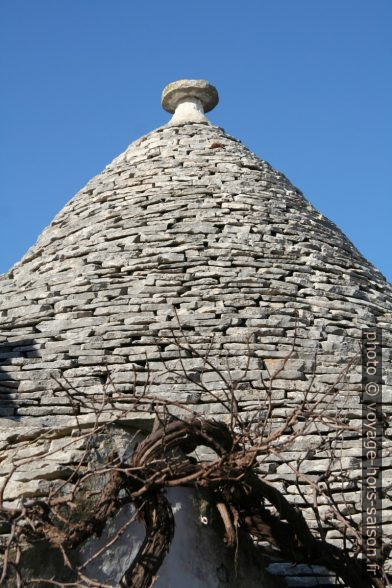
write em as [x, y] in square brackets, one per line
[186, 223]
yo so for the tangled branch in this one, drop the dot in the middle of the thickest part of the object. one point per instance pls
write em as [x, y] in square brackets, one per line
[166, 458]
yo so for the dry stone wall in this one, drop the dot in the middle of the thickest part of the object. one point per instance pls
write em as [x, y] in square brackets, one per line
[188, 225]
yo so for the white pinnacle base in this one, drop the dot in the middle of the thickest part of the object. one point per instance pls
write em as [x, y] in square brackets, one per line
[189, 110]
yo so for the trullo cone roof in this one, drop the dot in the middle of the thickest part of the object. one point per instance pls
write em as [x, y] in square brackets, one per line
[188, 227]
[187, 220]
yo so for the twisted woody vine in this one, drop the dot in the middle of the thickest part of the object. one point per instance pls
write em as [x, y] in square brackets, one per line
[79, 506]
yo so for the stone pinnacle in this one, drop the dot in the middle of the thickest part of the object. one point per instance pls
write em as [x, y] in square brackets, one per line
[189, 100]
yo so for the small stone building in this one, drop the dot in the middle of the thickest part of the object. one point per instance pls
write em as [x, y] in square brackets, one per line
[188, 227]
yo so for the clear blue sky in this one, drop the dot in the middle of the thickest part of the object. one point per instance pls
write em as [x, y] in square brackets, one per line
[306, 84]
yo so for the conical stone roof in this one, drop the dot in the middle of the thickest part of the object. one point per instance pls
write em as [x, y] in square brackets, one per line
[186, 226]
[187, 220]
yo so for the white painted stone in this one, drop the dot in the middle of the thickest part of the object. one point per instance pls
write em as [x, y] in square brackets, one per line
[197, 557]
[188, 110]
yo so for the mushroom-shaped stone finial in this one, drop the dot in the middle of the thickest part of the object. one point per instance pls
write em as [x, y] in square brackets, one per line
[189, 100]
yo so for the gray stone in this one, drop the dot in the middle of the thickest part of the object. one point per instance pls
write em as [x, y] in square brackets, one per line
[187, 223]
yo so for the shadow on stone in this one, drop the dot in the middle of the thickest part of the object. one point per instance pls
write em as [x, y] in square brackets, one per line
[13, 355]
